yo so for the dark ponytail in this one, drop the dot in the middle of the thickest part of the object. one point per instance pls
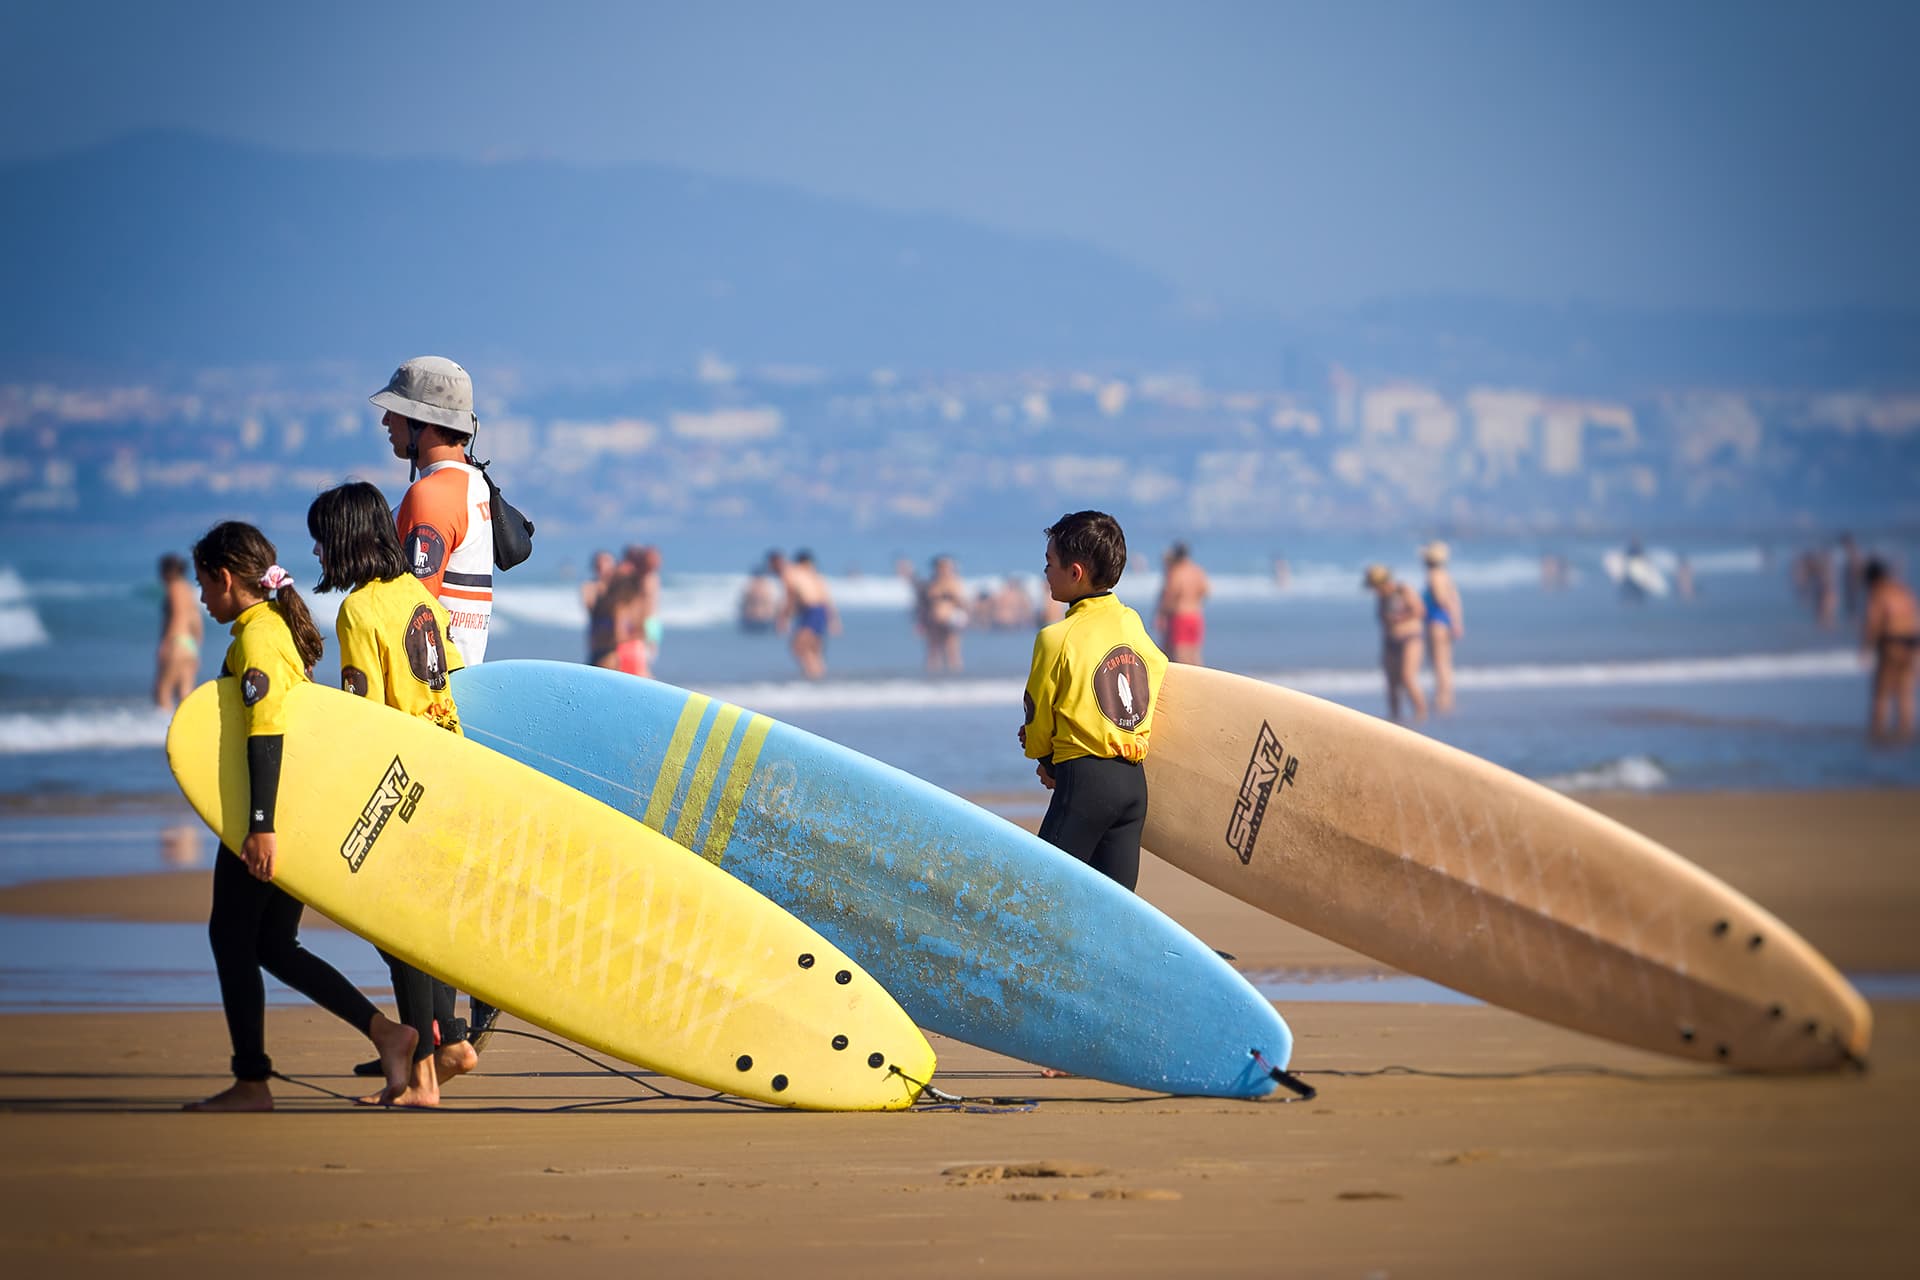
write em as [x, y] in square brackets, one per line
[244, 551]
[306, 636]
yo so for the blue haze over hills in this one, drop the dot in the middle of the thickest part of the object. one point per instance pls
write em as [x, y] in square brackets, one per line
[173, 249]
[654, 349]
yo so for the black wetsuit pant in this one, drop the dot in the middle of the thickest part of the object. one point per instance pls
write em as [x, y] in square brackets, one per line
[423, 1000]
[1098, 808]
[255, 925]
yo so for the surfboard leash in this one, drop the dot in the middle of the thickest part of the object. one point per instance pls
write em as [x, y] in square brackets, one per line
[1285, 1079]
[658, 1094]
[308, 1084]
[944, 1101]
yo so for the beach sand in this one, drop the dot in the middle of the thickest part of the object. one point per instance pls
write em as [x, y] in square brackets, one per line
[1510, 1166]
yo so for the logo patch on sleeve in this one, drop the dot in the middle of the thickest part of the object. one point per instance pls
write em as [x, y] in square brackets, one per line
[1121, 688]
[253, 685]
[354, 681]
[426, 550]
[397, 793]
[426, 649]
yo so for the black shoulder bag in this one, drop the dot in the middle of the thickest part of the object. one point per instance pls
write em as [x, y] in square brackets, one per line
[512, 531]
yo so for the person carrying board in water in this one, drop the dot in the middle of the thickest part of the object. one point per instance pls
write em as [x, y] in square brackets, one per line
[1090, 697]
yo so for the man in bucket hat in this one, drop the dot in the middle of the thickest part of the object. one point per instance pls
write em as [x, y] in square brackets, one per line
[446, 519]
[446, 531]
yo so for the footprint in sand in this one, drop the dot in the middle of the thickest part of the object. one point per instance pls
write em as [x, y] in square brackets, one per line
[1108, 1193]
[966, 1174]
[1472, 1156]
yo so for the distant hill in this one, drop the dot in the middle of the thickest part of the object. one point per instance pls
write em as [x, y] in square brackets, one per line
[168, 249]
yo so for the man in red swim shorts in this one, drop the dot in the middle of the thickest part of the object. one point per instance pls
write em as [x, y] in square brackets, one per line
[1178, 617]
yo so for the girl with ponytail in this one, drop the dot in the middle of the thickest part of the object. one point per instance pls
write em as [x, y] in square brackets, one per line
[255, 925]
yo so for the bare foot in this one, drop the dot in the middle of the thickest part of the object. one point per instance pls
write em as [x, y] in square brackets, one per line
[242, 1095]
[451, 1060]
[1048, 1073]
[395, 1042]
[422, 1089]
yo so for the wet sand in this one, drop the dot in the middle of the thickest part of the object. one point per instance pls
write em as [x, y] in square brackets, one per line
[1509, 1167]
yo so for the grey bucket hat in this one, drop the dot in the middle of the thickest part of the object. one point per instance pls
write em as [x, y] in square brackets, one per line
[431, 389]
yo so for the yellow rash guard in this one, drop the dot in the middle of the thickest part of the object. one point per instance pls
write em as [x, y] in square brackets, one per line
[1092, 687]
[393, 649]
[264, 658]
[268, 664]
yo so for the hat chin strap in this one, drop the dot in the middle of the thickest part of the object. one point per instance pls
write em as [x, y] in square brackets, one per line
[414, 427]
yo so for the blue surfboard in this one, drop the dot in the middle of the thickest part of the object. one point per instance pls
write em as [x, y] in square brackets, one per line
[980, 930]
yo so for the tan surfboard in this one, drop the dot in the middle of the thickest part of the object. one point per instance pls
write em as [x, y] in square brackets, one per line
[1454, 869]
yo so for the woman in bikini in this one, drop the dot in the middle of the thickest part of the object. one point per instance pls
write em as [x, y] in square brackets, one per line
[1446, 622]
[1401, 621]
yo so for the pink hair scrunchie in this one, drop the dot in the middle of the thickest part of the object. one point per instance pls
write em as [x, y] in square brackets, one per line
[275, 578]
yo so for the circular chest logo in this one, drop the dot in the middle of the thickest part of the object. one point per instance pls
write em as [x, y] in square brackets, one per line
[1121, 688]
[426, 651]
[426, 550]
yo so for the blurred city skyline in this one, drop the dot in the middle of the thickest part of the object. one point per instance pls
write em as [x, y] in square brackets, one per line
[1740, 156]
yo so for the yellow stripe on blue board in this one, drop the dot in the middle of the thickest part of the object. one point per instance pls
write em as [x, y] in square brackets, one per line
[678, 746]
[705, 773]
[738, 779]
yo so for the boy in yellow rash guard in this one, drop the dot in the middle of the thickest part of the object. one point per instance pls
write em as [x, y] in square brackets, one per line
[393, 650]
[1090, 698]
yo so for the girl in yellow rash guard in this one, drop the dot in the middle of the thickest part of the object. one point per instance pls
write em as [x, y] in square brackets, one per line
[393, 648]
[255, 925]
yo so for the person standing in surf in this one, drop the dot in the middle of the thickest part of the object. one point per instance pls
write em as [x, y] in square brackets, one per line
[1446, 622]
[1402, 619]
[593, 597]
[807, 609]
[1891, 636]
[942, 615]
[254, 924]
[1091, 691]
[177, 664]
[393, 649]
[1180, 617]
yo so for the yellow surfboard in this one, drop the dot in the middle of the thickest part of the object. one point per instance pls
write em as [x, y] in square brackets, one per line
[551, 905]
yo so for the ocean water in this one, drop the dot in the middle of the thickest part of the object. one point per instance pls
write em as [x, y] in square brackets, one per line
[1738, 688]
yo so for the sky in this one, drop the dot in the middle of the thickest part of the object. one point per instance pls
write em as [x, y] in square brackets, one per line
[1687, 153]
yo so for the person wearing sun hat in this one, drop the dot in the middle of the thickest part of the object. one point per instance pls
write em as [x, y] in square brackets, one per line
[1446, 622]
[445, 523]
[445, 520]
[1401, 616]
